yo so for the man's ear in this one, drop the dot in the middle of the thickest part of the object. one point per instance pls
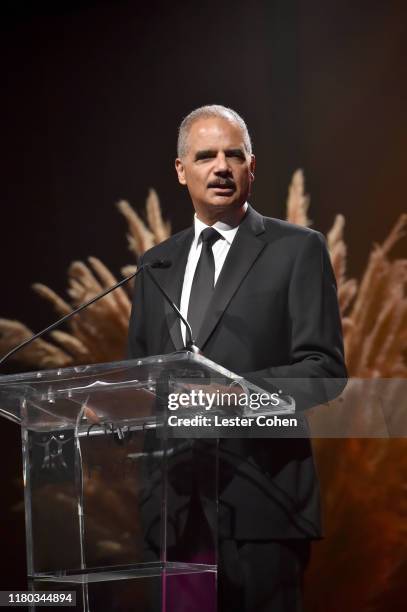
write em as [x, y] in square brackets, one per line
[252, 167]
[179, 167]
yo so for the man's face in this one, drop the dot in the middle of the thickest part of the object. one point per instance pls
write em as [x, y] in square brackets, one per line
[217, 169]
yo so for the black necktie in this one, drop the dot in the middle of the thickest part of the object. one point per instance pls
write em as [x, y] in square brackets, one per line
[204, 280]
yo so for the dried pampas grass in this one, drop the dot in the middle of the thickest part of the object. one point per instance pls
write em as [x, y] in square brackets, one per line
[39, 353]
[98, 333]
[142, 236]
[298, 201]
[358, 564]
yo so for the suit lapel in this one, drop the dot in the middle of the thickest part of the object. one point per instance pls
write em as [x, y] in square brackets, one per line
[173, 283]
[245, 249]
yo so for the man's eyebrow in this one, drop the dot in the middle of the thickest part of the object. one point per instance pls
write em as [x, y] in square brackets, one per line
[211, 153]
[205, 153]
[234, 152]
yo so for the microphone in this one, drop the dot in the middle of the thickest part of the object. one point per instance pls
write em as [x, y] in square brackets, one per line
[190, 344]
[158, 263]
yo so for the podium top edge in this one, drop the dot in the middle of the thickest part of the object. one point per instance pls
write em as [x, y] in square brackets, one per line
[72, 372]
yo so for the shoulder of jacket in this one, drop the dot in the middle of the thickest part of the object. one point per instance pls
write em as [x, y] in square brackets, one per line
[164, 247]
[283, 228]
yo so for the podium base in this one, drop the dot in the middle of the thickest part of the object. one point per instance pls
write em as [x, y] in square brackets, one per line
[124, 572]
[154, 587]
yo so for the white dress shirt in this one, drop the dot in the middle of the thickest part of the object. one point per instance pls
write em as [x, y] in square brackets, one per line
[220, 249]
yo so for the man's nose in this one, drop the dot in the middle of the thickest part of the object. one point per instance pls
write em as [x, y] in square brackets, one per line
[221, 164]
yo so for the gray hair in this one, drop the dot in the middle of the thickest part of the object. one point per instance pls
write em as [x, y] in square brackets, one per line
[206, 112]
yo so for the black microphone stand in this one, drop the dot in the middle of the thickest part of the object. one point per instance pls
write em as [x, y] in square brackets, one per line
[190, 344]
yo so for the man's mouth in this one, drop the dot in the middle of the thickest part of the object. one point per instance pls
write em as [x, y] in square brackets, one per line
[222, 186]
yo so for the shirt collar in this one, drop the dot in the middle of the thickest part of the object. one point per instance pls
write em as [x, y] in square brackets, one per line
[227, 232]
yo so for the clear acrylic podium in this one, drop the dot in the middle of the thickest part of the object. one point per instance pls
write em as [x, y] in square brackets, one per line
[109, 496]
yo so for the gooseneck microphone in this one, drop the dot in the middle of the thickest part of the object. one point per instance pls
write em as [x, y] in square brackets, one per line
[158, 263]
[190, 344]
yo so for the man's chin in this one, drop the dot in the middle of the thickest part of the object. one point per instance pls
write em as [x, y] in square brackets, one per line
[229, 210]
[225, 199]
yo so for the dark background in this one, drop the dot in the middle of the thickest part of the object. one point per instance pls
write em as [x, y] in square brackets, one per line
[93, 92]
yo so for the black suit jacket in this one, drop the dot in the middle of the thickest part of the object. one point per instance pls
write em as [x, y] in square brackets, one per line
[274, 316]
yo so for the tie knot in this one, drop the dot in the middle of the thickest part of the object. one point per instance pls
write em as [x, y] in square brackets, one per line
[210, 236]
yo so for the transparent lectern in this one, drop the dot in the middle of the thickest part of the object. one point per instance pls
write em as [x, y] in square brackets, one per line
[115, 508]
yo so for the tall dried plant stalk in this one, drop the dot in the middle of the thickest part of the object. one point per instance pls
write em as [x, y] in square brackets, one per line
[376, 323]
[298, 201]
[142, 237]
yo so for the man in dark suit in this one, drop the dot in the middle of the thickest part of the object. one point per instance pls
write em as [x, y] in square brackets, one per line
[261, 298]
